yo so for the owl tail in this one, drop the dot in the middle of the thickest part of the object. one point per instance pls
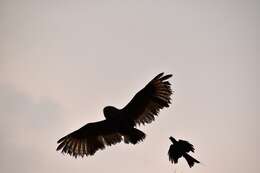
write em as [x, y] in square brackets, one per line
[134, 136]
[191, 161]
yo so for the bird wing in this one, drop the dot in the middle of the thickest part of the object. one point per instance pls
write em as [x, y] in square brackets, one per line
[173, 154]
[187, 147]
[89, 138]
[147, 103]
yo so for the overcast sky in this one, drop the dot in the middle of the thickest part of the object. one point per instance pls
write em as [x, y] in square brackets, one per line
[61, 62]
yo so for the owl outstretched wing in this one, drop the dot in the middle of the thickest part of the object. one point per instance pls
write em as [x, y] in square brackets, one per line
[147, 103]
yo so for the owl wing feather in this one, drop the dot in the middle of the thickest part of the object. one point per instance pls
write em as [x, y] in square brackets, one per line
[147, 103]
[89, 138]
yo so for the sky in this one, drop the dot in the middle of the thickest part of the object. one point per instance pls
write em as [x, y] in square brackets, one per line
[62, 62]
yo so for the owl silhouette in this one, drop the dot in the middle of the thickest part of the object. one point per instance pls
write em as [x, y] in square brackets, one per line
[120, 124]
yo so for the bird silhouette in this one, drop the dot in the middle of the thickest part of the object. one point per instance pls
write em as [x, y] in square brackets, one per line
[120, 124]
[180, 149]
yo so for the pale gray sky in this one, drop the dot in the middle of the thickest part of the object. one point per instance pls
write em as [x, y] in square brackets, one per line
[61, 62]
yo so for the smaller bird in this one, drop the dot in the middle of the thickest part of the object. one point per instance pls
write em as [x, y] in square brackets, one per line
[180, 149]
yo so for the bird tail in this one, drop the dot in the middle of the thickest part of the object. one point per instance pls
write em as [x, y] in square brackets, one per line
[191, 161]
[134, 136]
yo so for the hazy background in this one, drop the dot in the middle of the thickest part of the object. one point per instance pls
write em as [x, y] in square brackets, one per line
[61, 62]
